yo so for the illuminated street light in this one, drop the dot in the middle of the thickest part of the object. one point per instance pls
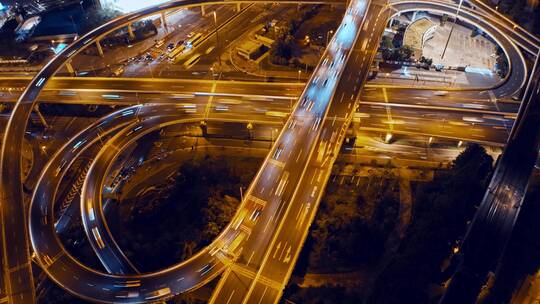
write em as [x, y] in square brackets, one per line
[204, 127]
[459, 144]
[249, 127]
[430, 140]
[299, 72]
[327, 36]
[388, 138]
[217, 37]
[44, 150]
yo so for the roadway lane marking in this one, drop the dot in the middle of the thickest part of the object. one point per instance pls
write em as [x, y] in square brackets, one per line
[299, 223]
[280, 208]
[268, 223]
[299, 154]
[264, 293]
[313, 177]
[251, 257]
[230, 297]
[220, 285]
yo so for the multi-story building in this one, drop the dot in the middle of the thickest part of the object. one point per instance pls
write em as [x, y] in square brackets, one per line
[127, 5]
[35, 7]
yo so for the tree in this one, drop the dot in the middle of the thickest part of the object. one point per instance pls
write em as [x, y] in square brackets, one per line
[98, 16]
[441, 211]
[387, 43]
[521, 12]
[501, 63]
[173, 226]
[388, 54]
[444, 18]
[284, 49]
[405, 53]
[426, 61]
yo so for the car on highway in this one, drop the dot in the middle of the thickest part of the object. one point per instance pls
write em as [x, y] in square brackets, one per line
[192, 61]
[159, 43]
[127, 294]
[118, 71]
[158, 293]
[440, 93]
[209, 50]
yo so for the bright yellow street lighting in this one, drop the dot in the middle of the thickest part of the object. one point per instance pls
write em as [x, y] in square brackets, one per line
[388, 137]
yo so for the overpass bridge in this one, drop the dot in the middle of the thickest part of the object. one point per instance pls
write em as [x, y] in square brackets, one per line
[492, 226]
[18, 270]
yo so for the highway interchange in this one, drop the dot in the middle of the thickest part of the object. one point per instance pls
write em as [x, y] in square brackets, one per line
[493, 223]
[288, 185]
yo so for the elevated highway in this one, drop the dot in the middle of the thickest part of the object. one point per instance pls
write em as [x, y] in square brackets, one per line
[308, 115]
[125, 126]
[17, 266]
[309, 121]
[259, 276]
[14, 199]
[493, 223]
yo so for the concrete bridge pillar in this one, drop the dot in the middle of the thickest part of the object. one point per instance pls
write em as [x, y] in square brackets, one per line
[203, 11]
[164, 22]
[130, 31]
[41, 117]
[238, 7]
[99, 48]
[70, 68]
[531, 73]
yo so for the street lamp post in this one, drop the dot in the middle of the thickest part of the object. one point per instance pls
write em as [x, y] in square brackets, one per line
[429, 142]
[150, 69]
[217, 39]
[299, 72]
[328, 36]
[452, 29]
